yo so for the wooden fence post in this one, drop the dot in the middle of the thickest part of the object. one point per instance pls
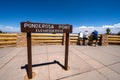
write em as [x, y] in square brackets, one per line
[63, 38]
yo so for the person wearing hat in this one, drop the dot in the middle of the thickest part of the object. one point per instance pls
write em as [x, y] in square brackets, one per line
[85, 37]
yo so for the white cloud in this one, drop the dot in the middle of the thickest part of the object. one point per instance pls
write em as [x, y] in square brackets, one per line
[107, 26]
[117, 25]
[9, 28]
[114, 28]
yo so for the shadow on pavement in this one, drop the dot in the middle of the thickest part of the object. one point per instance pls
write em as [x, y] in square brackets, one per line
[43, 64]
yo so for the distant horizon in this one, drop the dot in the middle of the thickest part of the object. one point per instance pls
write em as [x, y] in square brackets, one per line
[115, 29]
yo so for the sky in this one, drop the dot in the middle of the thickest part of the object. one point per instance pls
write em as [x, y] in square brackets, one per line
[82, 14]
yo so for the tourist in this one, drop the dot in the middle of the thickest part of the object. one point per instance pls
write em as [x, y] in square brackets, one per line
[95, 36]
[85, 38]
[80, 38]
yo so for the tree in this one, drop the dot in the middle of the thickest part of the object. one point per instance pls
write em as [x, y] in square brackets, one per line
[0, 31]
[119, 33]
[108, 31]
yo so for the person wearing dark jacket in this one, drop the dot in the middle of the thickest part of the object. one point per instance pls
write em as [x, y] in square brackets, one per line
[95, 36]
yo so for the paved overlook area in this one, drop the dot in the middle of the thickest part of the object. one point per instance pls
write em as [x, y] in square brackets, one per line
[85, 62]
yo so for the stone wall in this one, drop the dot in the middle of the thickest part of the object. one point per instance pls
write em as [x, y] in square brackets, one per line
[104, 40]
[21, 40]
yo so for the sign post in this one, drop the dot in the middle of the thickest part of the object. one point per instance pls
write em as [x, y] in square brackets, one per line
[29, 50]
[66, 51]
[30, 27]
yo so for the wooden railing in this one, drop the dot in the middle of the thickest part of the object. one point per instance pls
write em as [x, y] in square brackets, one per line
[8, 40]
[73, 38]
[11, 39]
[113, 39]
[47, 38]
[53, 38]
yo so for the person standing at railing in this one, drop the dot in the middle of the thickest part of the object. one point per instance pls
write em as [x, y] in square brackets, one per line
[85, 38]
[95, 37]
[80, 36]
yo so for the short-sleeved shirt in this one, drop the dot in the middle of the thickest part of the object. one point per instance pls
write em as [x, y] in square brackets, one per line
[80, 35]
[85, 35]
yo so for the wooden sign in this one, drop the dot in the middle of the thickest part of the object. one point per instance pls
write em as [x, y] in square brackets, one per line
[31, 27]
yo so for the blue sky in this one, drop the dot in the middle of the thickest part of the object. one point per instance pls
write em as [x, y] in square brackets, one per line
[80, 13]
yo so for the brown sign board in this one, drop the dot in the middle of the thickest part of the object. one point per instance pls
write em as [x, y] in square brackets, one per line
[31, 27]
